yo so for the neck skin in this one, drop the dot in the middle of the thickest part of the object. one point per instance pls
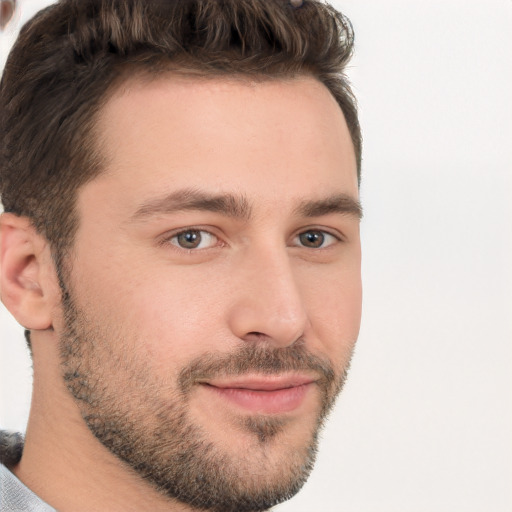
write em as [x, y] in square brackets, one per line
[63, 463]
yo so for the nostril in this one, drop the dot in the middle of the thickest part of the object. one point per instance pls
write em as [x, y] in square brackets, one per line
[255, 336]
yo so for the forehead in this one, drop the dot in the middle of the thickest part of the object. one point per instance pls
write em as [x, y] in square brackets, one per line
[179, 131]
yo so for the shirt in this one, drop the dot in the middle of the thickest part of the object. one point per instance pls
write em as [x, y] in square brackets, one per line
[16, 497]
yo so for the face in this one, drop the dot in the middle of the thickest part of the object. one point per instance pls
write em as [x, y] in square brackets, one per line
[215, 295]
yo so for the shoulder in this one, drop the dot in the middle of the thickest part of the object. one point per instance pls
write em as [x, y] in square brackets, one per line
[11, 448]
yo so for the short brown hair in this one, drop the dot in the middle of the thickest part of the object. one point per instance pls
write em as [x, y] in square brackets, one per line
[70, 56]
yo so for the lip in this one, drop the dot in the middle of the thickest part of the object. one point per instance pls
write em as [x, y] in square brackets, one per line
[267, 395]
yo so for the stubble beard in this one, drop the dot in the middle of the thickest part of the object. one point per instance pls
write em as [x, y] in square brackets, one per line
[155, 435]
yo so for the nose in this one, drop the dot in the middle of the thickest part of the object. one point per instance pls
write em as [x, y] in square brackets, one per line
[268, 304]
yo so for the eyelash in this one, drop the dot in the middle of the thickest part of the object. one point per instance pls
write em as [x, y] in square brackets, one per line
[325, 234]
[334, 238]
[194, 231]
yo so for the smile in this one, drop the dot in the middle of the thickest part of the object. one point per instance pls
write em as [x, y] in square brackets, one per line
[268, 395]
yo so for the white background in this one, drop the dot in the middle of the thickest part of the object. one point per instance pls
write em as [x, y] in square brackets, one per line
[425, 422]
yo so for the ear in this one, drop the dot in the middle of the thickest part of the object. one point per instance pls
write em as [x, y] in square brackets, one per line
[28, 285]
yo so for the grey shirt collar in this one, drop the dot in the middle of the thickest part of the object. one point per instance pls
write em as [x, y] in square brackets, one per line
[16, 497]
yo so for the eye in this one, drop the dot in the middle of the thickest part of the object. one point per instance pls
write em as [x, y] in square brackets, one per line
[316, 239]
[193, 239]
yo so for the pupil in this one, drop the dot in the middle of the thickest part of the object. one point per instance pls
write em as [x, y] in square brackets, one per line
[312, 239]
[189, 239]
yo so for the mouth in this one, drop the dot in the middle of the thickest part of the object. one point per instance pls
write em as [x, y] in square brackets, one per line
[263, 394]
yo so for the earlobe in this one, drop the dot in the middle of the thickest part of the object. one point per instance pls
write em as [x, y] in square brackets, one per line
[25, 284]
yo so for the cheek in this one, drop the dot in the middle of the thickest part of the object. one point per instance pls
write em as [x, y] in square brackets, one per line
[335, 313]
[173, 314]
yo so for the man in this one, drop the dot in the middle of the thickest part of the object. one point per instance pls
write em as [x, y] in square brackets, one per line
[181, 243]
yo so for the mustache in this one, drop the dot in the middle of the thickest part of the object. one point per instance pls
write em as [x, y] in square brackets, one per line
[254, 358]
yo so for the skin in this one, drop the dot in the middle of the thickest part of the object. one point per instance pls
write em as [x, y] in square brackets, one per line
[153, 307]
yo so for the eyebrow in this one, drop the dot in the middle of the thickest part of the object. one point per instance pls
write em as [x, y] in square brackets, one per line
[190, 199]
[339, 203]
[237, 206]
